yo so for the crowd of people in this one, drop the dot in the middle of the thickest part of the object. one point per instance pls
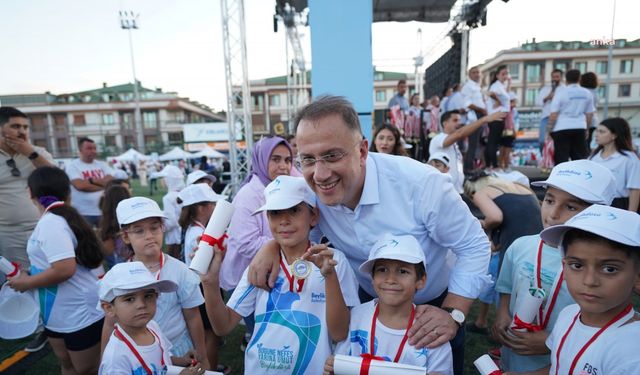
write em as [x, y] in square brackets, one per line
[336, 249]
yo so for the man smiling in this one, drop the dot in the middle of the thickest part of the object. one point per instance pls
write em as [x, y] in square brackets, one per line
[362, 195]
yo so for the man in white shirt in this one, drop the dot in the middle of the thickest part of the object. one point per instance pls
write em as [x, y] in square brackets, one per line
[571, 110]
[446, 141]
[545, 96]
[476, 108]
[88, 178]
[362, 195]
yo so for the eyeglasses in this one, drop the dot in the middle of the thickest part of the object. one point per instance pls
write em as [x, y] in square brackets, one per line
[308, 162]
[15, 172]
[138, 232]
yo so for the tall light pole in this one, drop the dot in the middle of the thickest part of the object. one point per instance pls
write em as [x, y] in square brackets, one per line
[607, 87]
[129, 21]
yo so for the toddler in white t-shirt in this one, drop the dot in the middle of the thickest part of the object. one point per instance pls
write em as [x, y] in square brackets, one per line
[293, 330]
[601, 262]
[128, 294]
[378, 329]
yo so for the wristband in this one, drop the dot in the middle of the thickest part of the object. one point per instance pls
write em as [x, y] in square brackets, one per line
[34, 155]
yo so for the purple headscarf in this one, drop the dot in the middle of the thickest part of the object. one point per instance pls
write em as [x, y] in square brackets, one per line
[260, 158]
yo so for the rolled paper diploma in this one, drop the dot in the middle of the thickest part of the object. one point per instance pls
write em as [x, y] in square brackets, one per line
[527, 307]
[346, 365]
[486, 366]
[8, 268]
[213, 234]
[175, 370]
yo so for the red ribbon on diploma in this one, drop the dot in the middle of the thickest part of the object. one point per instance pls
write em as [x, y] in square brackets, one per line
[366, 362]
[497, 372]
[16, 268]
[214, 241]
[519, 324]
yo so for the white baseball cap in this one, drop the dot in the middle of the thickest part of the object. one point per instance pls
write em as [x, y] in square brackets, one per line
[285, 192]
[404, 248]
[119, 174]
[197, 193]
[128, 277]
[197, 175]
[134, 209]
[584, 179]
[19, 313]
[609, 222]
[441, 157]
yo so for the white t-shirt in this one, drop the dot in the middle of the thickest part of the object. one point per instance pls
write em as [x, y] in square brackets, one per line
[290, 335]
[387, 342]
[87, 203]
[171, 209]
[615, 351]
[572, 103]
[455, 159]
[190, 241]
[169, 311]
[118, 359]
[71, 305]
[516, 276]
[504, 100]
[625, 168]
[473, 95]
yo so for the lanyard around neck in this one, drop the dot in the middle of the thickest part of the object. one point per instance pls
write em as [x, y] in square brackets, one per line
[135, 352]
[544, 315]
[404, 338]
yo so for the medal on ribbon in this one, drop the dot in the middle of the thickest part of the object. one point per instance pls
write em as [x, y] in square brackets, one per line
[301, 269]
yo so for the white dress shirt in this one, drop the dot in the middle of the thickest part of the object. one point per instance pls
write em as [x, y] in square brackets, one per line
[472, 93]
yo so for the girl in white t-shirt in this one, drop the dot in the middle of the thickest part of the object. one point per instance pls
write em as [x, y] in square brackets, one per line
[177, 314]
[198, 202]
[615, 151]
[66, 262]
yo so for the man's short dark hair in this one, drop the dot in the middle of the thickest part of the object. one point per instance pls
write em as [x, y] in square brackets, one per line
[572, 76]
[327, 105]
[557, 71]
[7, 112]
[447, 115]
[83, 140]
[402, 81]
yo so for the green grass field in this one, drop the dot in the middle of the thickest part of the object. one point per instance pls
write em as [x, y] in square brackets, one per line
[230, 353]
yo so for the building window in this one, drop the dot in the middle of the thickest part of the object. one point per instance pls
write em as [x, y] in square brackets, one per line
[110, 140]
[257, 102]
[78, 120]
[534, 73]
[378, 76]
[602, 91]
[381, 96]
[128, 141]
[179, 117]
[624, 90]
[601, 67]
[175, 138]
[60, 119]
[581, 66]
[40, 143]
[63, 144]
[38, 123]
[108, 119]
[274, 100]
[626, 66]
[514, 70]
[151, 140]
[530, 97]
[562, 65]
[150, 120]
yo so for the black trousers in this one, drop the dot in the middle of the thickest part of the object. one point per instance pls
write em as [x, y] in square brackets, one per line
[569, 143]
[473, 144]
[493, 143]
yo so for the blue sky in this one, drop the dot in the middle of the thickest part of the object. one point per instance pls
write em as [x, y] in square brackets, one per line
[74, 45]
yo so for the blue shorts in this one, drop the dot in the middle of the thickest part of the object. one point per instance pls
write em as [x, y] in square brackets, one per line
[489, 295]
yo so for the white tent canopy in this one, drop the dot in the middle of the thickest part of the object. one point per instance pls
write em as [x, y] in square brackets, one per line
[208, 152]
[176, 153]
[131, 155]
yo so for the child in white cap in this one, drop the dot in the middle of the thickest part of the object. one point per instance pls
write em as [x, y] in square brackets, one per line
[531, 263]
[293, 332]
[198, 201]
[178, 315]
[198, 177]
[598, 335]
[378, 329]
[128, 295]
[174, 180]
[440, 161]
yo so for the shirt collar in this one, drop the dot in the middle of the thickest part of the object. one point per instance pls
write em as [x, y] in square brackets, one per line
[370, 193]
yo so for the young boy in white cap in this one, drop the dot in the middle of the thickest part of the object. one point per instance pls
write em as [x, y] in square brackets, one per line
[198, 202]
[531, 263]
[128, 294]
[178, 314]
[378, 329]
[292, 333]
[440, 161]
[599, 334]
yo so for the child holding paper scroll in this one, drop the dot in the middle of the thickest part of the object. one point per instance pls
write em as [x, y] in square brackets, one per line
[294, 329]
[178, 315]
[529, 263]
[378, 329]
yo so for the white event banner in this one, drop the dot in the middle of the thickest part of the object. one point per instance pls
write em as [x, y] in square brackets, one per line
[209, 132]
